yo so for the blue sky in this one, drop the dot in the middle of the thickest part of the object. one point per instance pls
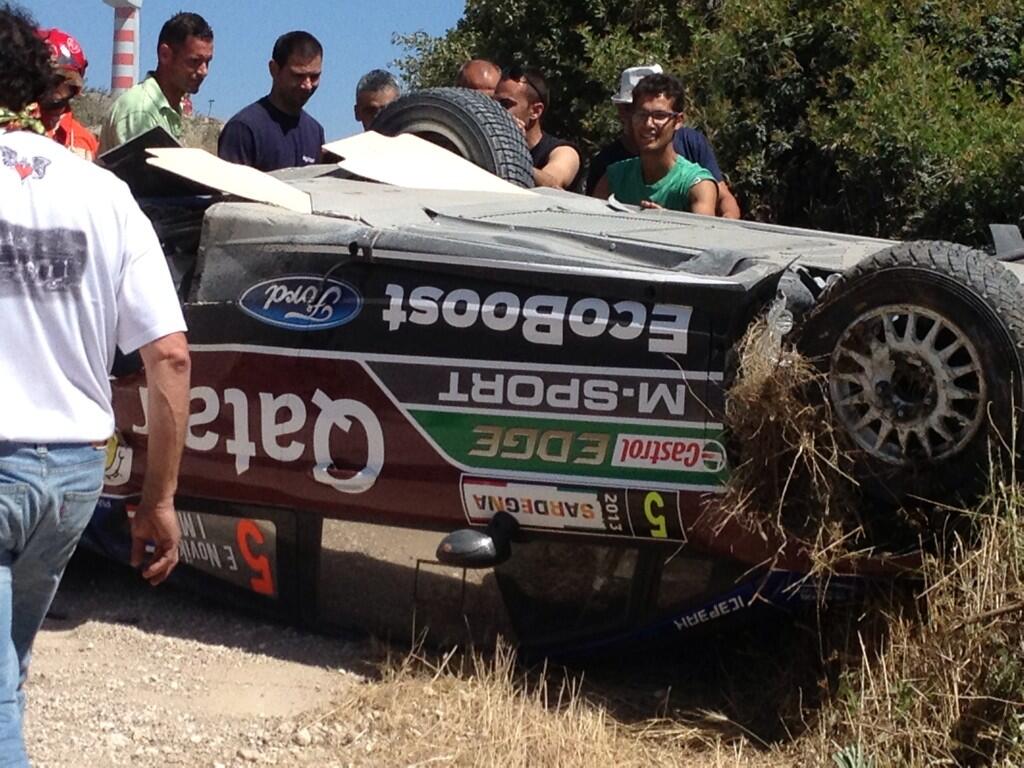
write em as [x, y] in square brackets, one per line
[356, 37]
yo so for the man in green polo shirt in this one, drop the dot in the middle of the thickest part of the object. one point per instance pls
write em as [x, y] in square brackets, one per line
[184, 53]
[659, 177]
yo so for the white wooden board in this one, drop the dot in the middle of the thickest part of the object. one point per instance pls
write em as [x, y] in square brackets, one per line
[409, 161]
[200, 166]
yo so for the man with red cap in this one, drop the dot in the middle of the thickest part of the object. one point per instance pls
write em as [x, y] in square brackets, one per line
[69, 62]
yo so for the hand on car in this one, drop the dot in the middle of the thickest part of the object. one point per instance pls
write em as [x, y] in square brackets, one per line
[155, 538]
[652, 205]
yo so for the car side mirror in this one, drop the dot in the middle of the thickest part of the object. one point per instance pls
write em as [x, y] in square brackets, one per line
[475, 548]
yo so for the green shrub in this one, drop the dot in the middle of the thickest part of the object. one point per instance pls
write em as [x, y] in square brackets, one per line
[885, 119]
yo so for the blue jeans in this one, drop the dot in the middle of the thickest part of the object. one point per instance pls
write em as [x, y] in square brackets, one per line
[47, 495]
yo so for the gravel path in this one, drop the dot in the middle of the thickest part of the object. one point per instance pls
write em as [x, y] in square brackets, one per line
[124, 674]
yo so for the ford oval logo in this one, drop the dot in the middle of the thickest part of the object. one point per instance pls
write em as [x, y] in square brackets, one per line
[302, 302]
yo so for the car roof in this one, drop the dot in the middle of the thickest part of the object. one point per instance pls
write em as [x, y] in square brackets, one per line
[481, 218]
[574, 224]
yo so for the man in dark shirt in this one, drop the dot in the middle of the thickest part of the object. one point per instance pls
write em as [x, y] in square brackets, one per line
[688, 143]
[276, 132]
[524, 95]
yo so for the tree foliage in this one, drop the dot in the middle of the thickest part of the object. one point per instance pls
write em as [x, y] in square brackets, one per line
[897, 118]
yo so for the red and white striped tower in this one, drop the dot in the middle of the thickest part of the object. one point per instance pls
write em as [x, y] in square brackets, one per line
[124, 71]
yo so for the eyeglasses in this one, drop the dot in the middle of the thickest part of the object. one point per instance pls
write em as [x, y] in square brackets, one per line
[659, 117]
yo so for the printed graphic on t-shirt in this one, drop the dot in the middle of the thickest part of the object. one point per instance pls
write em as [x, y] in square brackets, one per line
[26, 168]
[49, 259]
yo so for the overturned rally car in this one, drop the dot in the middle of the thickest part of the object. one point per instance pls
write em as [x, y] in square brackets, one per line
[536, 378]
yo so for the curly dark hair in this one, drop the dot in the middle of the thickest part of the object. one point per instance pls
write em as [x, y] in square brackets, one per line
[26, 72]
[662, 85]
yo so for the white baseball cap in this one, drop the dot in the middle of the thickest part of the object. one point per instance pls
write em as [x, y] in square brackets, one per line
[630, 78]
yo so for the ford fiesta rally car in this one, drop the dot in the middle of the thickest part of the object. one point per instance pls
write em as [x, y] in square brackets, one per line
[535, 379]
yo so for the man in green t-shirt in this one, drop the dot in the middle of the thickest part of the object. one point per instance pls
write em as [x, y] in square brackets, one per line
[659, 178]
[184, 53]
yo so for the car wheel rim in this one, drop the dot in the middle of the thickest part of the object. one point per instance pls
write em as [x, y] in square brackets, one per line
[907, 384]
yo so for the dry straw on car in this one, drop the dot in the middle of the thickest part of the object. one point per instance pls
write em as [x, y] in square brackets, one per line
[791, 477]
[943, 682]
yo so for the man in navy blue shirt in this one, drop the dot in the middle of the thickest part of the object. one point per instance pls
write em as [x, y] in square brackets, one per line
[276, 132]
[688, 143]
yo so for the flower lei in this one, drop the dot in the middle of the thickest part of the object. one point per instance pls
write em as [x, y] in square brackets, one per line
[26, 120]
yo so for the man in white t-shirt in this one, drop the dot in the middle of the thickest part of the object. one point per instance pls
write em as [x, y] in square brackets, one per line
[81, 272]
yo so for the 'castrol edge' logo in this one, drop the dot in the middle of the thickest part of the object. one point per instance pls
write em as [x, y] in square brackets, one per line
[679, 453]
[541, 319]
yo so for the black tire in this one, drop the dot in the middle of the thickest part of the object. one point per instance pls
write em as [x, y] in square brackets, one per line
[944, 326]
[468, 123]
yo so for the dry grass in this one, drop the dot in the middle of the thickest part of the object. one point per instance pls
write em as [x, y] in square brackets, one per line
[793, 477]
[948, 688]
[938, 681]
[489, 713]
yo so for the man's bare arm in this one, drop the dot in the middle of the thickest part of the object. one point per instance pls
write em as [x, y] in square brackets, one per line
[704, 197]
[728, 205]
[168, 370]
[560, 170]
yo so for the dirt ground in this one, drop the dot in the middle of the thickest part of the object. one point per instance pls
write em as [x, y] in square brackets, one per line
[124, 674]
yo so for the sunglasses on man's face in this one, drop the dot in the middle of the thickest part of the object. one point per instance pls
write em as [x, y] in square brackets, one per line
[517, 73]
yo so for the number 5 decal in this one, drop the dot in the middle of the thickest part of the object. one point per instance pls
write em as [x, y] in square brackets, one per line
[659, 528]
[245, 532]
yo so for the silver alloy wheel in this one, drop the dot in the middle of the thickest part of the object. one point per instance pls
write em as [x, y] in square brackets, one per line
[907, 384]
